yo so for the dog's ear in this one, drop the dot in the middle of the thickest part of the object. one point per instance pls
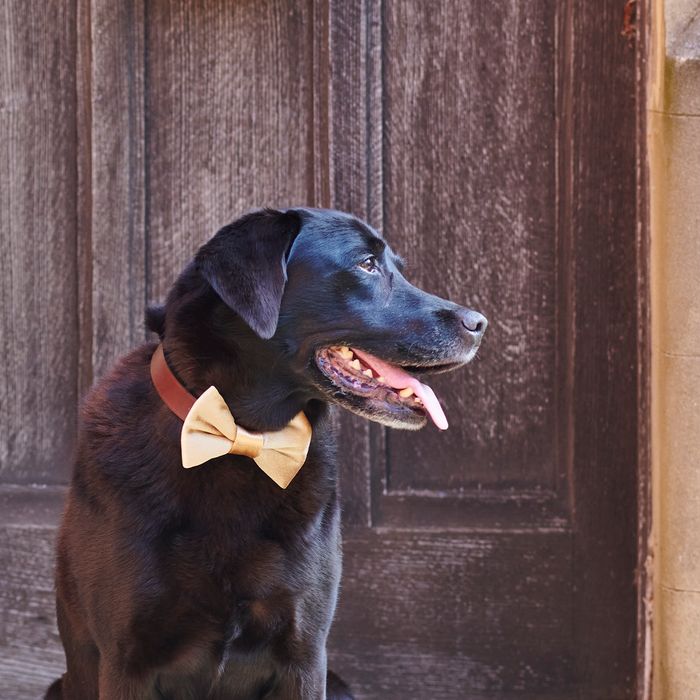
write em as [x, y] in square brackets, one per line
[155, 319]
[246, 264]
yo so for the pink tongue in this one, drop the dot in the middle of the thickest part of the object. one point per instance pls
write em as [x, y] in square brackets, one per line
[398, 379]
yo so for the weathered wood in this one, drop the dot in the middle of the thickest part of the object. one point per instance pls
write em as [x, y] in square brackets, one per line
[433, 615]
[31, 656]
[645, 555]
[38, 314]
[536, 223]
[31, 506]
[83, 159]
[470, 144]
[228, 101]
[352, 188]
[604, 276]
[27, 595]
[117, 229]
[26, 672]
[493, 561]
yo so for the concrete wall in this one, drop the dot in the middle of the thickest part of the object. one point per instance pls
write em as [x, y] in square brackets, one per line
[674, 146]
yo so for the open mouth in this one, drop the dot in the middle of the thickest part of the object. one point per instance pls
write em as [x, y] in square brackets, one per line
[388, 387]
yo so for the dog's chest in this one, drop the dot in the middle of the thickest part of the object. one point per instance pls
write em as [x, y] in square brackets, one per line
[254, 611]
[253, 584]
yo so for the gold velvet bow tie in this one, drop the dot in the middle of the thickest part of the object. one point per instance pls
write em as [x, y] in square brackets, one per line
[210, 431]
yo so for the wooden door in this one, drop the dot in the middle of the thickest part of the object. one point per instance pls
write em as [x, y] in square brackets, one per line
[497, 560]
[494, 145]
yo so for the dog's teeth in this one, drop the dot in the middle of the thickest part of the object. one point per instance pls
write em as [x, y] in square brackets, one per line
[345, 352]
[418, 400]
[355, 364]
[368, 373]
[381, 380]
[405, 393]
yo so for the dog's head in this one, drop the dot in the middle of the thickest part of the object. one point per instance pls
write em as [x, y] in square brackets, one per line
[319, 297]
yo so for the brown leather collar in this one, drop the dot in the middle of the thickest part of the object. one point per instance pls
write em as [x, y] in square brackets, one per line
[173, 394]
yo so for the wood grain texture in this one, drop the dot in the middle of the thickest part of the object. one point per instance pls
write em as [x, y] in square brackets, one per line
[567, 357]
[83, 160]
[27, 596]
[38, 314]
[430, 615]
[117, 228]
[603, 168]
[31, 656]
[495, 148]
[353, 187]
[26, 672]
[645, 554]
[469, 153]
[229, 105]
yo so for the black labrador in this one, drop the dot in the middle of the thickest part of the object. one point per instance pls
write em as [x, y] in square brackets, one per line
[214, 582]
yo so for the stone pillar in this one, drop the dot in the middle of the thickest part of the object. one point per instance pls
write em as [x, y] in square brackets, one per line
[674, 151]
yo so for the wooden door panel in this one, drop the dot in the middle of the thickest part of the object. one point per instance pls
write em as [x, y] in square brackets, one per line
[481, 174]
[470, 144]
[473, 137]
[435, 615]
[39, 337]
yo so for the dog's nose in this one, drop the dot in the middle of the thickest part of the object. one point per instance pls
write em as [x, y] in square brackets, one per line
[473, 321]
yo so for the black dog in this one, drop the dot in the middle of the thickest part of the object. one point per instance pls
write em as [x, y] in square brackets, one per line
[214, 582]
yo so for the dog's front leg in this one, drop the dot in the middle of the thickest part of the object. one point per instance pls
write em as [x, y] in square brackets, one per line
[115, 684]
[306, 682]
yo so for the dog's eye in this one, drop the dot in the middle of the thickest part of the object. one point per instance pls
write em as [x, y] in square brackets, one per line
[369, 264]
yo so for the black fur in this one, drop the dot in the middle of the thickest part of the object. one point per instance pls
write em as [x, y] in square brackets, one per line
[246, 264]
[213, 582]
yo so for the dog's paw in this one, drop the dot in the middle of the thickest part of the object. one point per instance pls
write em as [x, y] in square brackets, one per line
[336, 688]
